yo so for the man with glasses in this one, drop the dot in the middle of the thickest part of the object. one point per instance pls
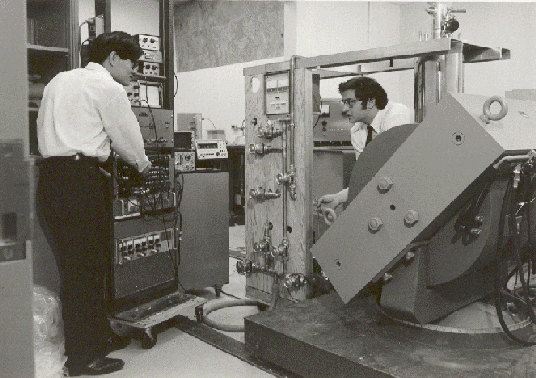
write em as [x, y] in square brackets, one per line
[367, 106]
[84, 113]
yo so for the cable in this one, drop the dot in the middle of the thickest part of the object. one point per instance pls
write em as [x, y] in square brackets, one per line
[219, 305]
[518, 259]
[208, 119]
[318, 119]
[230, 295]
[508, 210]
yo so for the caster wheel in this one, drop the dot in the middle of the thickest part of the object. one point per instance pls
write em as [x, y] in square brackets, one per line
[262, 306]
[148, 340]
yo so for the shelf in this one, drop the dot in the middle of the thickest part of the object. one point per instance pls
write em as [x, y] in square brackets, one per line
[46, 49]
[150, 77]
[384, 59]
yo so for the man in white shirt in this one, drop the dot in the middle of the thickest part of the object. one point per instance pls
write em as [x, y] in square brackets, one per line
[369, 109]
[85, 113]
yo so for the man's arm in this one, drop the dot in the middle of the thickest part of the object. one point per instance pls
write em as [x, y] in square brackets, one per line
[123, 129]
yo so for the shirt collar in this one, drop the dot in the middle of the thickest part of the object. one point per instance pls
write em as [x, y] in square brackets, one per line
[376, 122]
[96, 67]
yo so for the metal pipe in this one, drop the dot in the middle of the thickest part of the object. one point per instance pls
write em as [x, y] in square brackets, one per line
[513, 158]
[284, 190]
[292, 127]
[419, 89]
[288, 129]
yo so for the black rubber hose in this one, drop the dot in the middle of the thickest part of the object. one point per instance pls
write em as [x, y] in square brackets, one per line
[518, 259]
[497, 281]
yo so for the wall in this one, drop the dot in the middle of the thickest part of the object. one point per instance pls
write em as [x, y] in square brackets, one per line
[135, 16]
[311, 28]
[330, 27]
[226, 32]
[511, 25]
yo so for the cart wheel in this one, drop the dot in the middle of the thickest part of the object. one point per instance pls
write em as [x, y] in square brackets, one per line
[148, 340]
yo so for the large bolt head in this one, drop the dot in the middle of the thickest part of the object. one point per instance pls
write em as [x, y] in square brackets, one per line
[411, 217]
[375, 224]
[385, 183]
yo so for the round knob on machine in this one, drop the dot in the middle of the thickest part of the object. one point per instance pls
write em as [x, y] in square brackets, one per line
[411, 217]
[375, 224]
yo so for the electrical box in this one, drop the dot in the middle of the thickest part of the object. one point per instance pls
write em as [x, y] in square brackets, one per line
[133, 93]
[156, 126]
[149, 69]
[95, 26]
[211, 149]
[152, 56]
[149, 42]
[184, 161]
[151, 94]
[190, 122]
[331, 127]
[277, 93]
[184, 140]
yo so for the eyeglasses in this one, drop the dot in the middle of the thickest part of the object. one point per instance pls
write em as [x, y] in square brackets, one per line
[349, 102]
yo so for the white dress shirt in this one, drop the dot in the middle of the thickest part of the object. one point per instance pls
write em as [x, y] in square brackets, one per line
[84, 111]
[394, 114]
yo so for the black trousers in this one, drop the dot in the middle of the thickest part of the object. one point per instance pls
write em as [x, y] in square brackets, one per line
[74, 202]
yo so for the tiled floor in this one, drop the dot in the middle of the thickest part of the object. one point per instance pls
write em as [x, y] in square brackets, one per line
[178, 354]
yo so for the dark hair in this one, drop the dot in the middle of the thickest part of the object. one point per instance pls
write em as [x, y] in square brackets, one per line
[366, 88]
[124, 44]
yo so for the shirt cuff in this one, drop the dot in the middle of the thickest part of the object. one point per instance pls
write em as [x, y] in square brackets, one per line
[143, 165]
[343, 195]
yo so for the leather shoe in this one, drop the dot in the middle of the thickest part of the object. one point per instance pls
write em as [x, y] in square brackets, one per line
[99, 366]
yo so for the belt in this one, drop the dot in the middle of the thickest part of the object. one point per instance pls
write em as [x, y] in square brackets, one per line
[73, 158]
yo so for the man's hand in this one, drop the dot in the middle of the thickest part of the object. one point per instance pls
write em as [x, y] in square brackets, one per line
[329, 215]
[137, 177]
[145, 172]
[329, 203]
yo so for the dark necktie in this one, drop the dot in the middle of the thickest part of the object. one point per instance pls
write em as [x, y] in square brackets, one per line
[369, 134]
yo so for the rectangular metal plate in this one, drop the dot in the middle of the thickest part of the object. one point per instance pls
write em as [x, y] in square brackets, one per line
[440, 159]
[516, 131]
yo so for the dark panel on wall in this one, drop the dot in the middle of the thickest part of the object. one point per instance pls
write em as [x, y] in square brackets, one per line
[217, 33]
